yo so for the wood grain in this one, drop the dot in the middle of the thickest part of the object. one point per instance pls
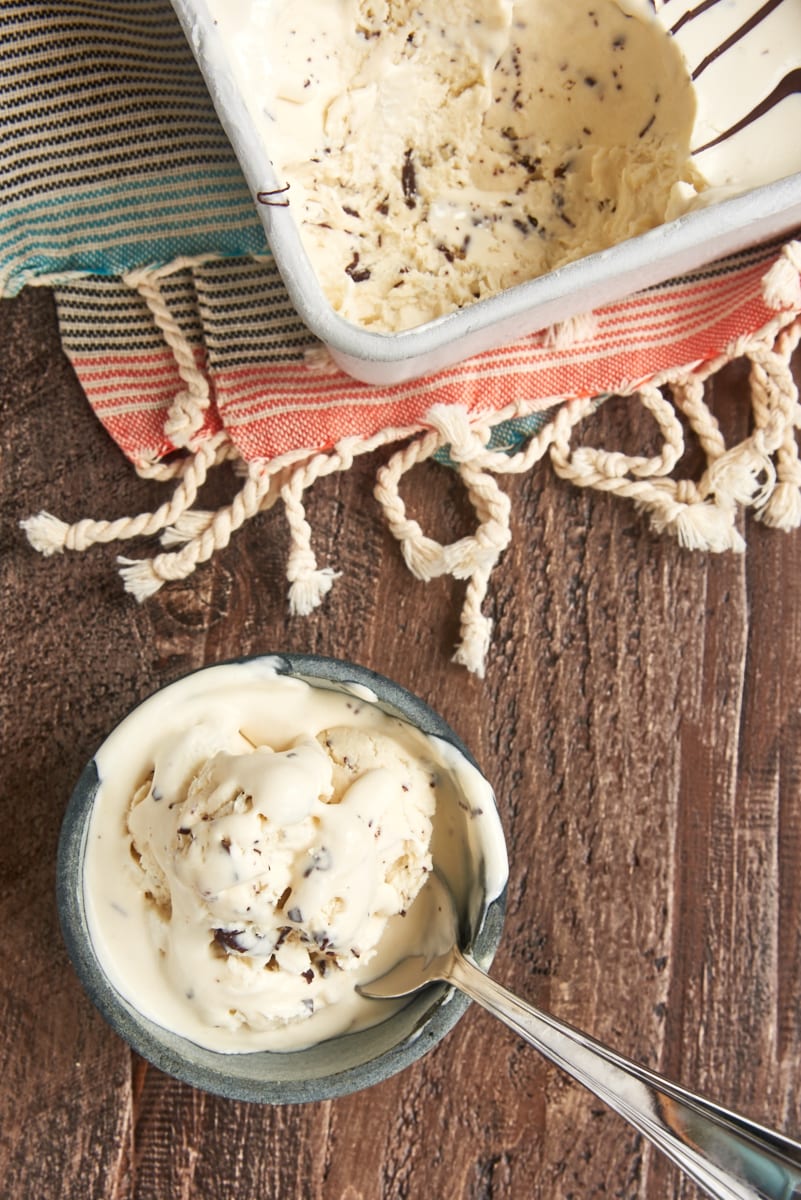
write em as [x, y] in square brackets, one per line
[640, 719]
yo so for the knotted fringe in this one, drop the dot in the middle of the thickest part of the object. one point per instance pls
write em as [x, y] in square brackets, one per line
[188, 410]
[762, 473]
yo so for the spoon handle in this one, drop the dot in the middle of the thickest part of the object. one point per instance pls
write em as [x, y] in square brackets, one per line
[727, 1155]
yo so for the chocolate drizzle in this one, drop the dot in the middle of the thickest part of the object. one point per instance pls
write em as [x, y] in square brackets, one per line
[789, 85]
[737, 36]
[691, 13]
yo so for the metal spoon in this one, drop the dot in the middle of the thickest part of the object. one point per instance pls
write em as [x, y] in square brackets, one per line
[727, 1155]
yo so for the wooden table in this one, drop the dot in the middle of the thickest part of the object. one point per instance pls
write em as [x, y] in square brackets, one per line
[640, 719]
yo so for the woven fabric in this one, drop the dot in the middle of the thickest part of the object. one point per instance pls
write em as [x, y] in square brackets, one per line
[273, 390]
[111, 155]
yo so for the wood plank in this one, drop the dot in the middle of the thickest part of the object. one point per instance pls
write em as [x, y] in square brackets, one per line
[639, 719]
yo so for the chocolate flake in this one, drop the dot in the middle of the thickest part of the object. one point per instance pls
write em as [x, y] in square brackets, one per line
[358, 274]
[228, 938]
[320, 861]
[647, 125]
[409, 179]
[308, 975]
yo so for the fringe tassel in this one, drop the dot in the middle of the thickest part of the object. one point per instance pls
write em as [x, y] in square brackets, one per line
[49, 535]
[144, 577]
[762, 473]
[308, 584]
[781, 287]
[184, 421]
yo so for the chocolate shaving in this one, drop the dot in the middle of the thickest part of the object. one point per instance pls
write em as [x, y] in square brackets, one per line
[321, 861]
[229, 939]
[409, 179]
[358, 274]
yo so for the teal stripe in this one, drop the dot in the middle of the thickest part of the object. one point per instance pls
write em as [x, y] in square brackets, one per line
[508, 436]
[165, 218]
[231, 179]
[114, 218]
[511, 435]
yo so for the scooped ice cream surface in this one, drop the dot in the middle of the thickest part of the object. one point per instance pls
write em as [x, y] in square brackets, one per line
[256, 848]
[273, 873]
[437, 154]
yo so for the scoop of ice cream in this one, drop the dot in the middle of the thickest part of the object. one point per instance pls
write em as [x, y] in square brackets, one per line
[272, 874]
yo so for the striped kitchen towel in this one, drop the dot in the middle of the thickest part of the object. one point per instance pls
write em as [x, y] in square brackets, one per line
[203, 362]
[119, 190]
[111, 154]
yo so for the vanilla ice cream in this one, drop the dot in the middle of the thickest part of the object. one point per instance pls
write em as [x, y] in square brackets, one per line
[744, 59]
[437, 154]
[256, 849]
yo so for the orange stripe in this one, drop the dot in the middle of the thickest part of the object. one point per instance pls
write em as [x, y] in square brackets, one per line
[271, 408]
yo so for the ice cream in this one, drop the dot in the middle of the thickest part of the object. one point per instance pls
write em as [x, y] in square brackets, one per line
[744, 58]
[273, 874]
[256, 850]
[434, 154]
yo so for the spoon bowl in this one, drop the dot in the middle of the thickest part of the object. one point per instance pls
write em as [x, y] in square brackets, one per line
[727, 1155]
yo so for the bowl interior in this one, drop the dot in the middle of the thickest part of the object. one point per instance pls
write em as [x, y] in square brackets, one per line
[335, 1067]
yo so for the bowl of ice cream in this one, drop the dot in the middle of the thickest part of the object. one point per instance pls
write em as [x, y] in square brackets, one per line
[435, 180]
[250, 844]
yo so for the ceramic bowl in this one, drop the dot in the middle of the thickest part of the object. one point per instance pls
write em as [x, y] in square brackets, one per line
[345, 1063]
